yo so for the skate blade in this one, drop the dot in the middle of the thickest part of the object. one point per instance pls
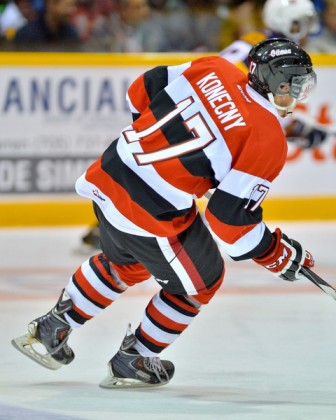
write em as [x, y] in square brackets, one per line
[112, 382]
[26, 345]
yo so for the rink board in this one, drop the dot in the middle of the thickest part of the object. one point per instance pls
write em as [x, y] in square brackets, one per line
[60, 110]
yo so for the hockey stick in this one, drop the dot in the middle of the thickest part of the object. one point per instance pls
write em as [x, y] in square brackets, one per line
[318, 281]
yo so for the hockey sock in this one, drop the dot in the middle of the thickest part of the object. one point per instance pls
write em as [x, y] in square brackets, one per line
[166, 317]
[93, 287]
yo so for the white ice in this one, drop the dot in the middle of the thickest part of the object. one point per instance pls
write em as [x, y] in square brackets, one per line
[263, 349]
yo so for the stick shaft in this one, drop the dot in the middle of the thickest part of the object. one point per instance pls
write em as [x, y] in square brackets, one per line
[318, 281]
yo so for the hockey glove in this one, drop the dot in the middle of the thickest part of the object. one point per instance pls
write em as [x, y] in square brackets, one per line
[305, 135]
[285, 257]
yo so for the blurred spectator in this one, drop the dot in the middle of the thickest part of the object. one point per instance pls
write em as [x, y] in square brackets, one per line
[244, 17]
[51, 30]
[175, 20]
[294, 20]
[204, 24]
[319, 5]
[188, 25]
[325, 41]
[158, 26]
[129, 29]
[14, 15]
[90, 14]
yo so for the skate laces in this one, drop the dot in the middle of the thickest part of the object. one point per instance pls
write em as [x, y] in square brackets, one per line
[154, 365]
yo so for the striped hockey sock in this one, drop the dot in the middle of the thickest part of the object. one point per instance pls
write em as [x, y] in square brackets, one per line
[93, 287]
[166, 317]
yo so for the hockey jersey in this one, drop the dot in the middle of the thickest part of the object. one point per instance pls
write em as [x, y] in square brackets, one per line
[197, 126]
[237, 52]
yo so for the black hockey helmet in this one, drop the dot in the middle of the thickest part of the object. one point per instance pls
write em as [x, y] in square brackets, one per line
[276, 62]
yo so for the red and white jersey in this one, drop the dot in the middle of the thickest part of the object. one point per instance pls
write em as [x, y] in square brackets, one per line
[198, 126]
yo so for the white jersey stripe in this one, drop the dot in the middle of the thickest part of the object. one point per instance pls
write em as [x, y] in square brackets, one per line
[241, 184]
[112, 214]
[131, 106]
[178, 198]
[175, 71]
[244, 244]
[217, 151]
[176, 265]
[237, 51]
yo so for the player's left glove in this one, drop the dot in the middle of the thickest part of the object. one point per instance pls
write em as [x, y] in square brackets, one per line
[305, 135]
[285, 257]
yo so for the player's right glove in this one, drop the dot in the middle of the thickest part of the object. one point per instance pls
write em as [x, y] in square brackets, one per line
[285, 257]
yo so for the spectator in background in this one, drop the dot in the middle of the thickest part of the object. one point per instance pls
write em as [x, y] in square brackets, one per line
[188, 25]
[174, 19]
[90, 14]
[52, 29]
[158, 26]
[14, 15]
[319, 5]
[245, 16]
[294, 21]
[325, 41]
[128, 29]
[200, 25]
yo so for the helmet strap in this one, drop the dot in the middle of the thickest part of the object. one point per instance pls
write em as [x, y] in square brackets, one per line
[289, 109]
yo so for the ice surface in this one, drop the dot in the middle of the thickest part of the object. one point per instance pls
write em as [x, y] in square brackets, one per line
[263, 349]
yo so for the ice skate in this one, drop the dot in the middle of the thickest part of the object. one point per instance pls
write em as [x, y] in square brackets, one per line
[128, 369]
[46, 339]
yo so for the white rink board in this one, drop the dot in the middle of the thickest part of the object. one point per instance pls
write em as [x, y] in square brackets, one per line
[55, 121]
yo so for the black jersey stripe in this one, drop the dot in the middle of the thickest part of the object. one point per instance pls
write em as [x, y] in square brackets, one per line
[135, 116]
[155, 80]
[229, 209]
[175, 131]
[260, 249]
[139, 191]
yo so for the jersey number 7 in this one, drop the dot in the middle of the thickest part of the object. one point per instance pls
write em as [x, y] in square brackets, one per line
[201, 136]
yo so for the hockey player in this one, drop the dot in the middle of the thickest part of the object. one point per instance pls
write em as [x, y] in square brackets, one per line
[197, 126]
[294, 20]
